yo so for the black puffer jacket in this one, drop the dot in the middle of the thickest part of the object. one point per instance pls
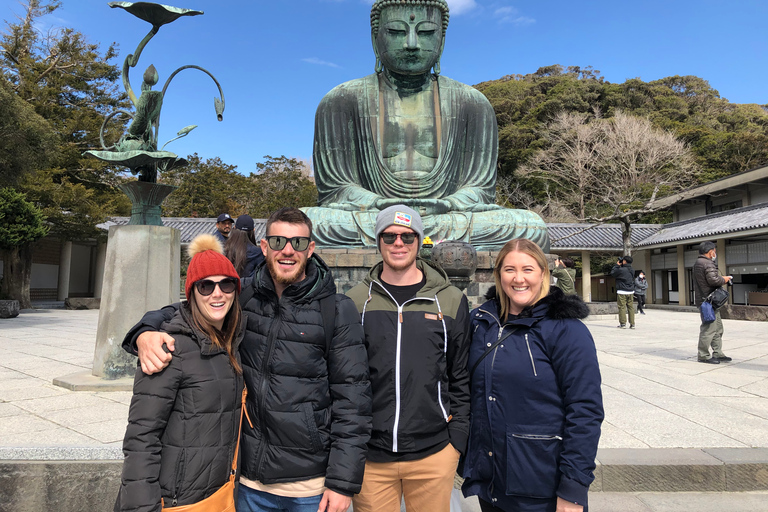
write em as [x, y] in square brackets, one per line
[182, 424]
[311, 417]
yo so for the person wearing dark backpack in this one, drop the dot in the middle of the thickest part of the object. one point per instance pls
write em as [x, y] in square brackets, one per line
[706, 279]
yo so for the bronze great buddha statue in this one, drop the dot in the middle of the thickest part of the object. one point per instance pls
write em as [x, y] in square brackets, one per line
[406, 134]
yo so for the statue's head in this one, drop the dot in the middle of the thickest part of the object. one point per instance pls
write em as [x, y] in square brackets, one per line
[409, 35]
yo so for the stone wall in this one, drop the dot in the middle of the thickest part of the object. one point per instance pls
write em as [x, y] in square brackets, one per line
[752, 313]
[63, 486]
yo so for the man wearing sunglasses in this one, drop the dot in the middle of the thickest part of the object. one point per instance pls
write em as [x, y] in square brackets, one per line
[417, 335]
[308, 393]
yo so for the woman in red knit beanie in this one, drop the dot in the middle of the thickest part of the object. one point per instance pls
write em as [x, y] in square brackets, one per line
[184, 422]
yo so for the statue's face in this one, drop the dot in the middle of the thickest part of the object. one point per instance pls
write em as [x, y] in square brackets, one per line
[410, 38]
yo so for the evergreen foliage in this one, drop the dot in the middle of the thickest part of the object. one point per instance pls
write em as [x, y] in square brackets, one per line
[21, 222]
[725, 138]
[69, 84]
[208, 188]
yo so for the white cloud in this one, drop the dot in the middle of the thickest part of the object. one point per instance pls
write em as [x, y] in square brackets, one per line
[319, 62]
[461, 6]
[523, 20]
[456, 6]
[510, 15]
[505, 11]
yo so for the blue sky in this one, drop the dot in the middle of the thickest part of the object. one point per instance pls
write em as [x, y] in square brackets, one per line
[276, 59]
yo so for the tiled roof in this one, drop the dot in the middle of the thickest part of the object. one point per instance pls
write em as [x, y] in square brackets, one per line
[588, 237]
[189, 227]
[605, 237]
[710, 226]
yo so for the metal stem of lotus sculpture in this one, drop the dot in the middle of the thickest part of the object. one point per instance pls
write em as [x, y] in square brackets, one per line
[138, 148]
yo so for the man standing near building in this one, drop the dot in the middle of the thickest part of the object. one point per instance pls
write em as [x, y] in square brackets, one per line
[565, 273]
[223, 227]
[417, 336]
[706, 278]
[625, 291]
[309, 393]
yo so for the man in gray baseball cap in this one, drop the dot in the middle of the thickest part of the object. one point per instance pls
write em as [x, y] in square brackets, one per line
[413, 320]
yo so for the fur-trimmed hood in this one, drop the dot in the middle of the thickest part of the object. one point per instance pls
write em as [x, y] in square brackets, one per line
[556, 305]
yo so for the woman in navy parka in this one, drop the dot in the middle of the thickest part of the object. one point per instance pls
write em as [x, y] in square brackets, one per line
[535, 384]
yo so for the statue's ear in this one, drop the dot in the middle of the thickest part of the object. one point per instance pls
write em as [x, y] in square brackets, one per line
[436, 67]
[379, 66]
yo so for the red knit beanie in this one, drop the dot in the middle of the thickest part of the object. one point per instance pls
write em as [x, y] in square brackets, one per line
[206, 260]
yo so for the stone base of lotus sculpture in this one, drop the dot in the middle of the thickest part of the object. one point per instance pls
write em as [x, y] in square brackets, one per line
[141, 273]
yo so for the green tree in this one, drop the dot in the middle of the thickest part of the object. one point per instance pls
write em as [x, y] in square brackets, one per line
[71, 84]
[724, 138]
[206, 189]
[27, 140]
[278, 182]
[21, 223]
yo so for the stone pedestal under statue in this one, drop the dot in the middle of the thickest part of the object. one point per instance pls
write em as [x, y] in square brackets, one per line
[141, 274]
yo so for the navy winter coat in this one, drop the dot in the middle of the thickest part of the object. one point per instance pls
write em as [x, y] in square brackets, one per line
[536, 405]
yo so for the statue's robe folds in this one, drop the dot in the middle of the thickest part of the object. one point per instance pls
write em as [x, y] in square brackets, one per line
[351, 173]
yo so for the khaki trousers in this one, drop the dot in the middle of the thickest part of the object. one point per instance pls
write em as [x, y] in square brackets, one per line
[426, 484]
[626, 306]
[711, 335]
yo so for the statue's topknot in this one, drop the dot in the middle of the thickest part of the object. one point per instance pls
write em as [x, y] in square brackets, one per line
[378, 5]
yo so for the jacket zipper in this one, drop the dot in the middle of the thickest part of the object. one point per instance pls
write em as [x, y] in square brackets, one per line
[498, 338]
[537, 437]
[397, 360]
[530, 354]
[263, 386]
[179, 478]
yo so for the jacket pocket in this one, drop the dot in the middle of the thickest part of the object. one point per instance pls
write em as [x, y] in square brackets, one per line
[533, 455]
[309, 420]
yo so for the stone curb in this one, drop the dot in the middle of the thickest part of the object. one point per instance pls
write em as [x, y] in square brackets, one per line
[681, 470]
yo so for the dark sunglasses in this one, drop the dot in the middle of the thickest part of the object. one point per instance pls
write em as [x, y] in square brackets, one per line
[205, 287]
[277, 243]
[389, 238]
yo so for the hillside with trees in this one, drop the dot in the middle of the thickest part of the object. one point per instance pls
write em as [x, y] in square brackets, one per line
[533, 110]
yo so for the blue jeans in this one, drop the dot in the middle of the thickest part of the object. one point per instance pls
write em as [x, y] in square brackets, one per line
[251, 500]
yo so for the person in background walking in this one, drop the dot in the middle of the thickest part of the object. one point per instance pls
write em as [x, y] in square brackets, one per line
[625, 289]
[641, 285]
[565, 272]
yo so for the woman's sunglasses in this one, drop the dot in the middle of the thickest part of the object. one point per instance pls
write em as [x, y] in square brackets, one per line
[205, 287]
[389, 238]
[277, 243]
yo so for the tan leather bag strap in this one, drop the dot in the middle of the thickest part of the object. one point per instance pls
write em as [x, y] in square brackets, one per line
[239, 431]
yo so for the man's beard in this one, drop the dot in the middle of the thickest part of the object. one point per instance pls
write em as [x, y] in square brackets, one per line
[281, 278]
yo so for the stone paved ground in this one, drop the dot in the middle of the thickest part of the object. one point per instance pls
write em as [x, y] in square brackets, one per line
[656, 395]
